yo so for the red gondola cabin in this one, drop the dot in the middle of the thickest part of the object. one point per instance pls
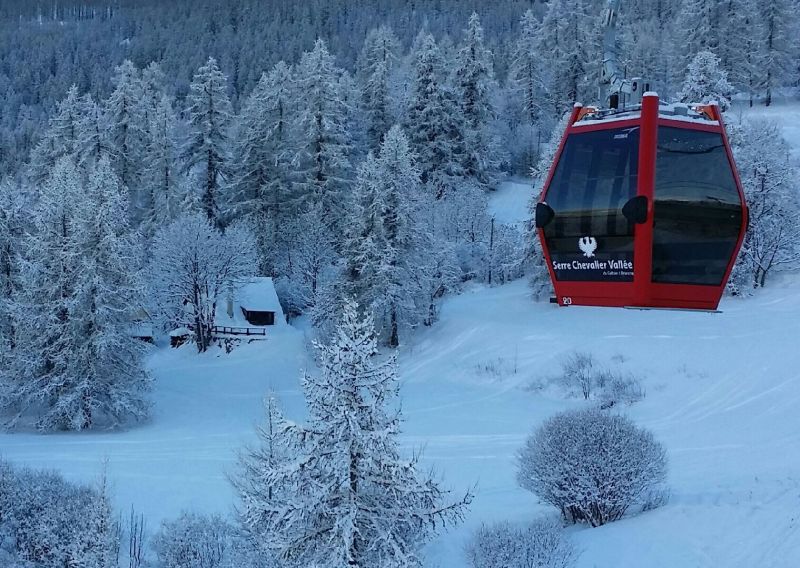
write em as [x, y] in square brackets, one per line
[642, 208]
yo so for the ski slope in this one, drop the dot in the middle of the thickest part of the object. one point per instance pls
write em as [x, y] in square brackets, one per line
[723, 393]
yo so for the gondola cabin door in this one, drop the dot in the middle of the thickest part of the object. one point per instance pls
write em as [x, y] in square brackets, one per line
[642, 208]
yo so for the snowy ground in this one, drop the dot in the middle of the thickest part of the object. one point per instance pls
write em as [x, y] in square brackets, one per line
[205, 408]
[722, 395]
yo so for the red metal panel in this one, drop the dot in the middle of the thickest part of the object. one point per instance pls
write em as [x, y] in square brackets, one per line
[605, 125]
[643, 233]
[685, 296]
[608, 294]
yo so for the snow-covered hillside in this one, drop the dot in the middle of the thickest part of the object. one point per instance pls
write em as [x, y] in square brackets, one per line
[722, 393]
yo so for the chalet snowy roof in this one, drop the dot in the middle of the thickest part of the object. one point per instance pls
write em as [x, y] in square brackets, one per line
[254, 295]
[258, 295]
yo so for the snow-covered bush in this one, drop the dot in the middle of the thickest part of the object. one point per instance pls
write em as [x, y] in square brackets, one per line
[770, 183]
[593, 466]
[540, 544]
[46, 522]
[194, 540]
[538, 276]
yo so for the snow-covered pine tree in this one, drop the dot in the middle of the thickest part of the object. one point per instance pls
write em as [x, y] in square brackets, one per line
[75, 364]
[111, 381]
[60, 139]
[55, 523]
[125, 112]
[94, 131]
[780, 46]
[347, 497]
[153, 88]
[363, 227]
[525, 89]
[524, 71]
[355, 118]
[13, 219]
[474, 82]
[275, 437]
[646, 47]
[41, 366]
[698, 27]
[384, 239]
[433, 122]
[706, 81]
[205, 152]
[377, 61]
[741, 53]
[324, 168]
[261, 180]
[192, 266]
[563, 37]
[161, 185]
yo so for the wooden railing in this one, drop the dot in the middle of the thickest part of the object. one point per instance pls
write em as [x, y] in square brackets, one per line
[224, 330]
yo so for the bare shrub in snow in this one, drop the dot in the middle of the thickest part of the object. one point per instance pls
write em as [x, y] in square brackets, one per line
[193, 541]
[540, 544]
[579, 373]
[592, 465]
[136, 539]
[496, 369]
[618, 388]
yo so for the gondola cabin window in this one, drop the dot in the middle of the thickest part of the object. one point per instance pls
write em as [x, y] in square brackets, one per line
[590, 239]
[697, 210]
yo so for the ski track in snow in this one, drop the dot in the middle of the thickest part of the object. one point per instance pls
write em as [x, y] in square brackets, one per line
[723, 393]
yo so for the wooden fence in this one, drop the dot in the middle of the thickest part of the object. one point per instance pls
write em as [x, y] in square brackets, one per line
[248, 331]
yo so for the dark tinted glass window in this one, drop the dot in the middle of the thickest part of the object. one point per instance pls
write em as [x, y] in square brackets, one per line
[589, 238]
[697, 212]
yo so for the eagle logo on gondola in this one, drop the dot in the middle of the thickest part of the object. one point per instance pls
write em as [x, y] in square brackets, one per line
[587, 245]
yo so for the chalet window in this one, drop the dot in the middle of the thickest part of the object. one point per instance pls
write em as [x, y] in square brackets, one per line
[259, 318]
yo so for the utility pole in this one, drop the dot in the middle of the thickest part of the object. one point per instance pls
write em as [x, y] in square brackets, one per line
[491, 251]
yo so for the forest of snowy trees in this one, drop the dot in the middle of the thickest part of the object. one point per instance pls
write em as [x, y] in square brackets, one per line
[342, 174]
[154, 155]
